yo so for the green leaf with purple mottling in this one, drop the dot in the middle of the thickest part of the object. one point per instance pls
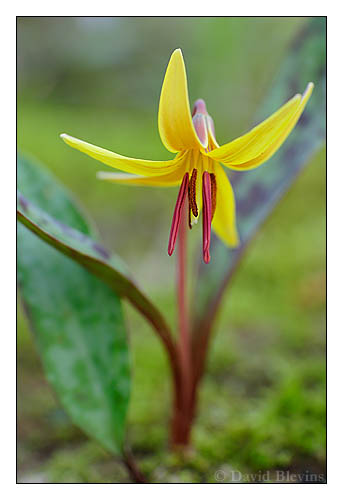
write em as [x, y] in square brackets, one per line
[77, 320]
[258, 191]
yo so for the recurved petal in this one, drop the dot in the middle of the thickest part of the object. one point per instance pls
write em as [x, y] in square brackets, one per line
[211, 132]
[224, 220]
[130, 165]
[200, 125]
[258, 145]
[165, 180]
[174, 118]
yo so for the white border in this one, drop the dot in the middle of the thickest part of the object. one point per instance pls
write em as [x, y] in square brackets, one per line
[335, 278]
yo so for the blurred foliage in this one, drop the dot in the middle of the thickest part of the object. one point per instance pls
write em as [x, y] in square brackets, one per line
[262, 403]
[259, 190]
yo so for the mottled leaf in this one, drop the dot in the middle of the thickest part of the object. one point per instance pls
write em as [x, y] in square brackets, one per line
[76, 243]
[258, 191]
[77, 320]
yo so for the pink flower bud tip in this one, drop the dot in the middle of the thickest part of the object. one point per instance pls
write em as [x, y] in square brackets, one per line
[199, 107]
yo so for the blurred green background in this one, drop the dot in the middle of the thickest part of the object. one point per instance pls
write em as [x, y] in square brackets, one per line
[262, 402]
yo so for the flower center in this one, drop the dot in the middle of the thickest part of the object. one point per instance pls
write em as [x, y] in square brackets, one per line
[204, 128]
[209, 190]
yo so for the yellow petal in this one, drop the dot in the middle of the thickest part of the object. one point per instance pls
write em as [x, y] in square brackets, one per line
[267, 152]
[239, 145]
[224, 220]
[165, 180]
[174, 118]
[200, 124]
[258, 145]
[130, 165]
[211, 133]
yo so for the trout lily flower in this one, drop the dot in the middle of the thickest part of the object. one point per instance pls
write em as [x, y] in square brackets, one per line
[197, 166]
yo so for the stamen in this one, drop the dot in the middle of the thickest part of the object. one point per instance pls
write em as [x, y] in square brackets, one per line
[189, 213]
[177, 213]
[192, 193]
[213, 194]
[207, 216]
[207, 256]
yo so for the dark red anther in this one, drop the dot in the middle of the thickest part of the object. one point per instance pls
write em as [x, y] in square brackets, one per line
[192, 193]
[177, 213]
[207, 216]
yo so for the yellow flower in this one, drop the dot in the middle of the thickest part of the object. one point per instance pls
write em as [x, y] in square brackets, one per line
[197, 164]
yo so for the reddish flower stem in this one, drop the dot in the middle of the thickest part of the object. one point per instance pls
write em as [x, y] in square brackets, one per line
[184, 342]
[183, 411]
